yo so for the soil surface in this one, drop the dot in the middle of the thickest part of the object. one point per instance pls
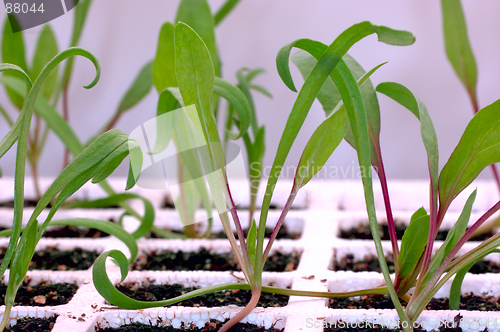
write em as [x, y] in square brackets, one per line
[57, 260]
[209, 326]
[27, 203]
[283, 234]
[33, 325]
[215, 299]
[467, 302]
[74, 232]
[41, 295]
[205, 260]
[363, 232]
[369, 264]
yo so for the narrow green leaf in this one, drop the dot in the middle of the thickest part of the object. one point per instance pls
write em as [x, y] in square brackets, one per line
[224, 10]
[23, 255]
[10, 138]
[139, 89]
[102, 225]
[197, 15]
[454, 235]
[328, 95]
[457, 44]
[477, 149]
[196, 77]
[164, 63]
[320, 147]
[456, 285]
[13, 52]
[413, 243]
[252, 241]
[406, 98]
[109, 292]
[239, 102]
[50, 115]
[113, 160]
[46, 49]
[80, 17]
[21, 155]
[147, 219]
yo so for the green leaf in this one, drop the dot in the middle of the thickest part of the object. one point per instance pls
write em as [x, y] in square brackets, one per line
[13, 53]
[457, 44]
[252, 241]
[320, 147]
[454, 235]
[22, 146]
[109, 292]
[477, 149]
[225, 9]
[328, 95]
[413, 243]
[46, 49]
[164, 63]
[147, 219]
[49, 114]
[139, 88]
[196, 77]
[10, 138]
[197, 15]
[114, 160]
[24, 253]
[81, 12]
[239, 102]
[406, 98]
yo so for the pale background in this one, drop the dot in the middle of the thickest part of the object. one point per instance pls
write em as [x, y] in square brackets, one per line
[123, 36]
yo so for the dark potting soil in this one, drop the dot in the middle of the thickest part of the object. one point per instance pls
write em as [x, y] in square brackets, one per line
[209, 326]
[283, 234]
[33, 325]
[216, 299]
[57, 260]
[368, 264]
[467, 302]
[74, 232]
[54, 259]
[27, 203]
[205, 260]
[363, 232]
[41, 295]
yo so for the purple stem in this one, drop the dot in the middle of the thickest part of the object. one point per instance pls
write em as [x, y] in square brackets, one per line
[460, 244]
[388, 209]
[280, 222]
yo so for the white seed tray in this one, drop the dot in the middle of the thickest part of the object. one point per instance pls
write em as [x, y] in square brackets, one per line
[323, 208]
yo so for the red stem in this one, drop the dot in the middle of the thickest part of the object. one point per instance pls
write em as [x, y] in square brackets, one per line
[460, 243]
[388, 209]
[280, 222]
[244, 312]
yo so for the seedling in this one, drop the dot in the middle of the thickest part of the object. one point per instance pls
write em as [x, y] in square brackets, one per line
[195, 74]
[96, 162]
[414, 264]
